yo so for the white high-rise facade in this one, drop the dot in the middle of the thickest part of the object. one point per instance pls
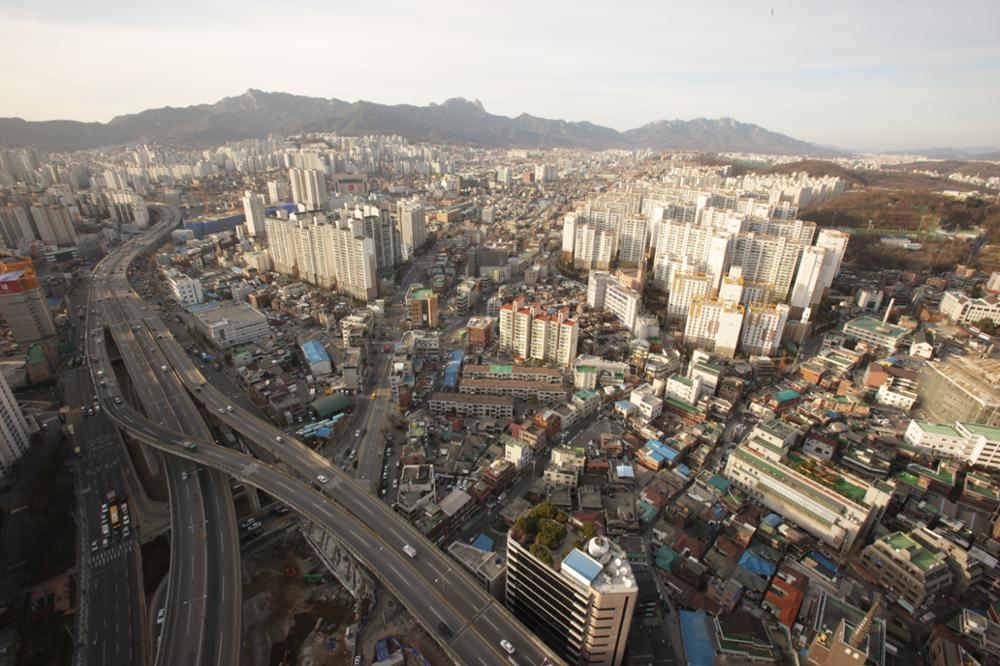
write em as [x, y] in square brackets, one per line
[253, 209]
[632, 241]
[604, 292]
[835, 242]
[763, 326]
[714, 325]
[14, 435]
[808, 288]
[687, 288]
[308, 187]
[411, 227]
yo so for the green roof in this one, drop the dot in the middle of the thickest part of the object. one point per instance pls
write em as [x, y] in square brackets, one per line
[683, 406]
[938, 429]
[421, 294]
[944, 476]
[876, 326]
[35, 354]
[989, 432]
[919, 555]
[501, 369]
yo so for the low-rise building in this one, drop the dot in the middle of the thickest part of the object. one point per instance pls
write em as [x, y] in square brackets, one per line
[185, 290]
[875, 332]
[964, 309]
[457, 404]
[519, 390]
[646, 402]
[230, 325]
[910, 573]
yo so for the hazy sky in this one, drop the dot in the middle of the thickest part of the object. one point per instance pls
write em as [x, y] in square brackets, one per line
[865, 75]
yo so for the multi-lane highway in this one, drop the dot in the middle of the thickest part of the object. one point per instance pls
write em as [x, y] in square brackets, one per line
[202, 620]
[115, 616]
[437, 591]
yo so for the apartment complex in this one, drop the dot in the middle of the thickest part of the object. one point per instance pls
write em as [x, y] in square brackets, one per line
[329, 254]
[457, 404]
[531, 332]
[253, 210]
[309, 187]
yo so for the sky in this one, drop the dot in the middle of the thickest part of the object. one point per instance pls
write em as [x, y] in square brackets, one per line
[885, 75]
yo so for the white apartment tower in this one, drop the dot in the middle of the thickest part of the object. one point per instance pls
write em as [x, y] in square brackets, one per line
[808, 288]
[308, 187]
[253, 209]
[835, 243]
[411, 227]
[687, 287]
[632, 241]
[14, 435]
[763, 326]
[714, 325]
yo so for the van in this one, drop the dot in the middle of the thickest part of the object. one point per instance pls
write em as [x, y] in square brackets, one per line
[409, 550]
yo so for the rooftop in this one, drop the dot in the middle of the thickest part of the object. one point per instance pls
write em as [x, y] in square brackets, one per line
[919, 555]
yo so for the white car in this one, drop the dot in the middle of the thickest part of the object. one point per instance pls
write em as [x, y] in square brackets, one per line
[161, 615]
[505, 644]
[322, 478]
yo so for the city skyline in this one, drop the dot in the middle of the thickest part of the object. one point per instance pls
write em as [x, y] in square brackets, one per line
[851, 76]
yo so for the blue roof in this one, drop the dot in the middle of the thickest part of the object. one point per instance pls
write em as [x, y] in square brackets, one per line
[624, 404]
[324, 432]
[314, 352]
[659, 451]
[772, 519]
[683, 470]
[457, 355]
[582, 564]
[697, 643]
[756, 564]
[785, 396]
[484, 543]
[625, 471]
[823, 560]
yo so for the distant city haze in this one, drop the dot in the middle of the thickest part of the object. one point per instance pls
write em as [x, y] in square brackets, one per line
[855, 75]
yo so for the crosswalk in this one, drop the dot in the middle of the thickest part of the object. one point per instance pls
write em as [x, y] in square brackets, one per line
[105, 556]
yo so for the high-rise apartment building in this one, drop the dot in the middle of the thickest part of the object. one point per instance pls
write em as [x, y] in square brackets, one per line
[253, 209]
[15, 225]
[714, 325]
[378, 226]
[412, 231]
[22, 302]
[54, 223]
[309, 187]
[834, 241]
[769, 259]
[604, 292]
[579, 601]
[763, 326]
[529, 331]
[687, 287]
[808, 288]
[632, 241]
[14, 434]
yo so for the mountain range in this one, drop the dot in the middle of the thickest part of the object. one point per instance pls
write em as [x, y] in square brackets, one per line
[255, 114]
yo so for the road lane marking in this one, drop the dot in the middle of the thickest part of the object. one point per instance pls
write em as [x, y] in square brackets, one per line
[396, 571]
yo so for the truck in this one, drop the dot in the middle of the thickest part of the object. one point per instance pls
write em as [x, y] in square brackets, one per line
[409, 550]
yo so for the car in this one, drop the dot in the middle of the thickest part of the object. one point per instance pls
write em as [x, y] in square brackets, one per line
[322, 478]
[229, 408]
[357, 433]
[247, 522]
[445, 630]
[93, 546]
[357, 660]
[161, 615]
[105, 542]
[278, 438]
[508, 648]
[221, 410]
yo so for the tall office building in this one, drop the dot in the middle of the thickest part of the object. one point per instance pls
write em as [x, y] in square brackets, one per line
[412, 231]
[253, 209]
[22, 302]
[14, 435]
[579, 601]
[308, 187]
